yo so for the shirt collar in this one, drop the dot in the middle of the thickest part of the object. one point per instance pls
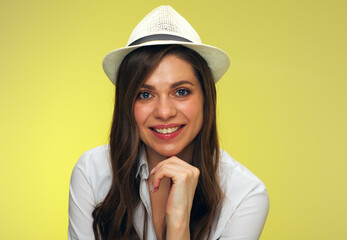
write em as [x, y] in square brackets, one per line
[142, 166]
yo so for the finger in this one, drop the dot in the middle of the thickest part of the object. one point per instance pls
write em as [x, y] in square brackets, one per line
[178, 166]
[162, 172]
[177, 173]
[174, 160]
[183, 168]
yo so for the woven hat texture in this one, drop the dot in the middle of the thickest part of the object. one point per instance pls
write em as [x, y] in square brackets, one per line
[164, 20]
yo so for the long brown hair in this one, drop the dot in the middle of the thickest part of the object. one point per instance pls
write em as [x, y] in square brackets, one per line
[113, 218]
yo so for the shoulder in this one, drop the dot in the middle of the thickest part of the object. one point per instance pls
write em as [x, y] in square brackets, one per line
[94, 158]
[245, 203]
[235, 179]
[94, 165]
[90, 182]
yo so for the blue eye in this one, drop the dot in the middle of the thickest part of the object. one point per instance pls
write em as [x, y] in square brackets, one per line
[182, 92]
[144, 95]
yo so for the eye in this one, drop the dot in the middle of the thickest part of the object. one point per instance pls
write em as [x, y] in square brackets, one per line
[144, 95]
[182, 92]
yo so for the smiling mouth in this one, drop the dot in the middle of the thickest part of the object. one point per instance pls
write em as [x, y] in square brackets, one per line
[167, 130]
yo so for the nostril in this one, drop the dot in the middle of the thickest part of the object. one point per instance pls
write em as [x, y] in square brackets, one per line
[164, 112]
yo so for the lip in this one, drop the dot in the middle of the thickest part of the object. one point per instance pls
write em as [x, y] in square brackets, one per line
[171, 125]
[167, 136]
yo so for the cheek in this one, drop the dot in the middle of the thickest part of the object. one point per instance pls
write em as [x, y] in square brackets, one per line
[141, 113]
[138, 114]
[194, 111]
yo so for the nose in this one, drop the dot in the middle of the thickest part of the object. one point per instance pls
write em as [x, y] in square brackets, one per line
[164, 109]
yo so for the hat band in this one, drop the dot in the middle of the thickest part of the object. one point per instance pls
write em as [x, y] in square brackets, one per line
[159, 37]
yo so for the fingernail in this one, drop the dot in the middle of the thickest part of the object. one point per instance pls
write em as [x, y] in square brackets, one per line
[152, 187]
[152, 171]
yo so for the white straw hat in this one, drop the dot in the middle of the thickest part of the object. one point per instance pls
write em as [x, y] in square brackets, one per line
[165, 26]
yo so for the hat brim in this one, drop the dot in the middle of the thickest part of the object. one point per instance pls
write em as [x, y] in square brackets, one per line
[217, 60]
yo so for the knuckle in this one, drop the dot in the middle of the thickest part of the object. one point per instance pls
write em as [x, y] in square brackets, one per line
[197, 172]
[163, 168]
[185, 176]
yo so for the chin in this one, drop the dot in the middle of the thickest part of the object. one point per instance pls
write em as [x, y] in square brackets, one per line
[169, 152]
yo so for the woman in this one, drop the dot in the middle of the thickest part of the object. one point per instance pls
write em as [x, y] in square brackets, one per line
[163, 175]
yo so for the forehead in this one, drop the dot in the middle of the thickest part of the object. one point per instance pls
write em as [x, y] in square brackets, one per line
[172, 69]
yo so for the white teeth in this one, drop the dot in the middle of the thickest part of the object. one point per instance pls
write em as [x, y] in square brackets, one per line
[166, 130]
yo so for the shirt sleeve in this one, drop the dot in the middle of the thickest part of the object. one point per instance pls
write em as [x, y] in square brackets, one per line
[248, 220]
[81, 206]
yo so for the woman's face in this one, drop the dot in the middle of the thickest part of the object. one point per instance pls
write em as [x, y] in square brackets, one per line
[169, 107]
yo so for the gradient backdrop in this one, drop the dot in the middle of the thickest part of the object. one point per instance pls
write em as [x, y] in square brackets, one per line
[281, 106]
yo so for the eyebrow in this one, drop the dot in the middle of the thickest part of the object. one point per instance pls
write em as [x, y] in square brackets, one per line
[176, 84]
[181, 83]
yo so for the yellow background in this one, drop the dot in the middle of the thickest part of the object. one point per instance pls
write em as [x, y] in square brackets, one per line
[281, 106]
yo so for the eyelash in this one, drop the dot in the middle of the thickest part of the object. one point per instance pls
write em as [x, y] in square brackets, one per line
[140, 95]
[187, 92]
[150, 95]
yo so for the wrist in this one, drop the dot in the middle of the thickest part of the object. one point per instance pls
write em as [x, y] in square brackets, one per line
[177, 228]
[177, 232]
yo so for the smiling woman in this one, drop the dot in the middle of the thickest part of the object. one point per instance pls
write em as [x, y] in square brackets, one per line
[163, 176]
[172, 110]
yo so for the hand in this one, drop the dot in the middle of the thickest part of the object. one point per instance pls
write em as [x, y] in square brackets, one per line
[184, 179]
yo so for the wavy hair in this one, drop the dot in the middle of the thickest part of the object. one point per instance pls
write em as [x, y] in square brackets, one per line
[113, 217]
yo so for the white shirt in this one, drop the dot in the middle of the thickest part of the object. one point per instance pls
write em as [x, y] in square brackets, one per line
[242, 216]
